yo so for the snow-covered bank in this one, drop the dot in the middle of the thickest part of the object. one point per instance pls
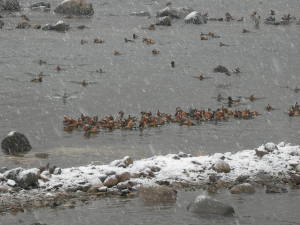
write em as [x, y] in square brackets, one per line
[268, 163]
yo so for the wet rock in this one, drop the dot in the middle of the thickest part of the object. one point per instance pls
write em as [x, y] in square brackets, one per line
[140, 13]
[155, 169]
[174, 12]
[125, 162]
[270, 147]
[159, 194]
[23, 25]
[184, 155]
[1, 24]
[60, 26]
[275, 188]
[15, 143]
[10, 5]
[242, 188]
[164, 21]
[195, 18]
[125, 185]
[111, 181]
[75, 7]
[28, 178]
[222, 69]
[109, 173]
[205, 205]
[123, 176]
[222, 167]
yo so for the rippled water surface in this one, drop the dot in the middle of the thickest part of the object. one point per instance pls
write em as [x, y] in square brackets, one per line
[274, 209]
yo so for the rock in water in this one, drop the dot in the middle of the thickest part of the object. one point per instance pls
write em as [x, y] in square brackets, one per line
[75, 7]
[10, 5]
[195, 18]
[173, 12]
[40, 4]
[222, 69]
[28, 178]
[205, 205]
[15, 143]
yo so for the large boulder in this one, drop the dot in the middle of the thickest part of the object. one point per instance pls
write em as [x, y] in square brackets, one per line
[205, 205]
[75, 7]
[15, 143]
[10, 5]
[195, 18]
[164, 21]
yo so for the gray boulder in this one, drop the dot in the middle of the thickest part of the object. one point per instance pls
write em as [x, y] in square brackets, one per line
[275, 188]
[28, 178]
[75, 7]
[195, 18]
[10, 5]
[15, 143]
[221, 167]
[205, 205]
[60, 26]
[13, 173]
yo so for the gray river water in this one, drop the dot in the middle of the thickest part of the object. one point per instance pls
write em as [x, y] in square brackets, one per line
[138, 81]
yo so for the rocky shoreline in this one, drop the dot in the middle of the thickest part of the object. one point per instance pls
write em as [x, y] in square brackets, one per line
[271, 166]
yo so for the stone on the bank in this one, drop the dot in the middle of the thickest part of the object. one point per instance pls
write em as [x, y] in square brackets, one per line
[164, 21]
[111, 181]
[159, 194]
[75, 7]
[123, 176]
[270, 147]
[275, 188]
[102, 189]
[57, 171]
[15, 143]
[205, 205]
[60, 26]
[10, 5]
[125, 162]
[222, 167]
[195, 18]
[28, 178]
[242, 188]
[174, 12]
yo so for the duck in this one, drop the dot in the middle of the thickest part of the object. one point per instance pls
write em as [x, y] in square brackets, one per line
[269, 107]
[39, 79]
[201, 76]
[116, 52]
[98, 41]
[155, 52]
[148, 41]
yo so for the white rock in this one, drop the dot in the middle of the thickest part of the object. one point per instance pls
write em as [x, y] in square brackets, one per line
[11, 183]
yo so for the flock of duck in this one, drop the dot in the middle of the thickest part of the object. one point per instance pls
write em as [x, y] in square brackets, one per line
[93, 125]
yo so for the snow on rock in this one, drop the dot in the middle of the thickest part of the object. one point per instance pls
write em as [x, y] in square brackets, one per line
[165, 169]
